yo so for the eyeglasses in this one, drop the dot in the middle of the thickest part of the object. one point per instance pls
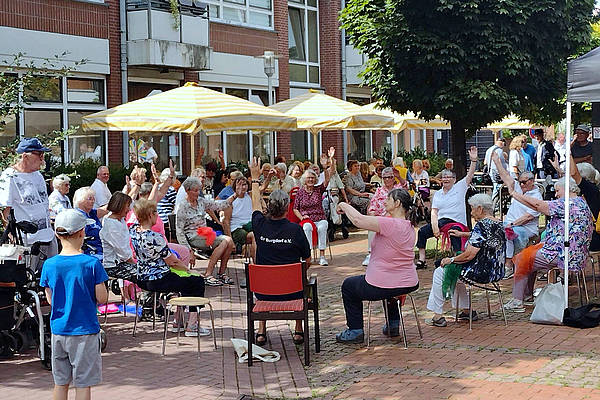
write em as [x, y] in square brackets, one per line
[38, 153]
[387, 177]
[524, 182]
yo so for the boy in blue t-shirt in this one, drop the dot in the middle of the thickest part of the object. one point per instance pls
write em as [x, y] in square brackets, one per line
[74, 284]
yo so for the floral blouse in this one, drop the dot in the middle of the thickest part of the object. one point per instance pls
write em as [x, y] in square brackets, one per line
[190, 218]
[311, 204]
[377, 206]
[151, 249]
[580, 233]
[488, 265]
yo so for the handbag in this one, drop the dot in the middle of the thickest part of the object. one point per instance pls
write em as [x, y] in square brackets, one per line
[549, 305]
[587, 316]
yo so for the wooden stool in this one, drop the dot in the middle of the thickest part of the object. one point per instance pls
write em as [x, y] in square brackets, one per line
[190, 302]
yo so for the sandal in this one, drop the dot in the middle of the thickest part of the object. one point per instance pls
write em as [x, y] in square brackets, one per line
[225, 279]
[261, 339]
[212, 281]
[298, 341]
[421, 264]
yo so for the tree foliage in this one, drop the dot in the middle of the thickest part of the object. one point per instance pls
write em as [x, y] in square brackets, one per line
[471, 61]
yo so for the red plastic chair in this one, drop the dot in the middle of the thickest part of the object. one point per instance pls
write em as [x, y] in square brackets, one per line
[290, 215]
[281, 280]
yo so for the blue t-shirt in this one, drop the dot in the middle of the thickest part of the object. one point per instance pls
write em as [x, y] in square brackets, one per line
[529, 153]
[225, 193]
[94, 243]
[72, 280]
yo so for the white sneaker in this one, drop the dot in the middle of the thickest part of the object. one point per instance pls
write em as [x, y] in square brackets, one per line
[175, 329]
[366, 260]
[515, 305]
[323, 261]
[195, 331]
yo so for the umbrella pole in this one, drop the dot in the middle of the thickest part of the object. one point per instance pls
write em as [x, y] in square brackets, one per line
[315, 146]
[193, 151]
[567, 202]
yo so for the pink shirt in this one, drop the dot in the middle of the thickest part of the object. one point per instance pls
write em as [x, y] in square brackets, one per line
[392, 254]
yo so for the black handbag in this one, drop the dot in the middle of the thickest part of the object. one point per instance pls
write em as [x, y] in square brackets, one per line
[587, 316]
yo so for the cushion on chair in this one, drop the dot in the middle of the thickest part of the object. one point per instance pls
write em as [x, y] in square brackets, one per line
[290, 305]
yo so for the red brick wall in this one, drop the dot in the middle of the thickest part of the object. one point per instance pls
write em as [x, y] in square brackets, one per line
[430, 140]
[240, 40]
[280, 22]
[59, 16]
[113, 80]
[330, 47]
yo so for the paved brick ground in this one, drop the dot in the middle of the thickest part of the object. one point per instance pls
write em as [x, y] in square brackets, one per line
[521, 361]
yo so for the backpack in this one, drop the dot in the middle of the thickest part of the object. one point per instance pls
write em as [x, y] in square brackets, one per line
[587, 316]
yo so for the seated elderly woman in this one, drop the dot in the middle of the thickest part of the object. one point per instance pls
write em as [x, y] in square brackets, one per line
[58, 199]
[278, 242]
[228, 190]
[355, 187]
[377, 204]
[522, 220]
[237, 223]
[159, 269]
[118, 256]
[83, 201]
[420, 178]
[191, 215]
[308, 206]
[482, 262]
[391, 271]
[551, 252]
[448, 208]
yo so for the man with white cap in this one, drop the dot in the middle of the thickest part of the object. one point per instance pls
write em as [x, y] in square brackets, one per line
[23, 191]
[581, 149]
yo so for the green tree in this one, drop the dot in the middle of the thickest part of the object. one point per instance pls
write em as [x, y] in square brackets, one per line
[22, 82]
[471, 61]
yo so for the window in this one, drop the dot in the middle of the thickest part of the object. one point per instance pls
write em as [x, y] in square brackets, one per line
[303, 41]
[84, 144]
[47, 108]
[359, 145]
[255, 13]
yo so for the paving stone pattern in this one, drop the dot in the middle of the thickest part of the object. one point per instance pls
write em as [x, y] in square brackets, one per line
[493, 361]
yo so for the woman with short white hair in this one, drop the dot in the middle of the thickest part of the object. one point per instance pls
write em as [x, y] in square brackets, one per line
[58, 199]
[482, 261]
[308, 206]
[83, 201]
[551, 252]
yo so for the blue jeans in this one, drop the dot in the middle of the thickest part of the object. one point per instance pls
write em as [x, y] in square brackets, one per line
[519, 243]
[356, 289]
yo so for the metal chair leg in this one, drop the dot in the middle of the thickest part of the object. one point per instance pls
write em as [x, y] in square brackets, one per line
[502, 306]
[487, 297]
[164, 343]
[212, 322]
[579, 288]
[154, 313]
[593, 262]
[457, 305]
[135, 320]
[368, 324]
[402, 325]
[180, 322]
[198, 332]
[470, 289]
[587, 296]
[416, 316]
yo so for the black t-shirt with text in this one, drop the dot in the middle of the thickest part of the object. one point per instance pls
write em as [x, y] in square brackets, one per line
[278, 241]
[591, 194]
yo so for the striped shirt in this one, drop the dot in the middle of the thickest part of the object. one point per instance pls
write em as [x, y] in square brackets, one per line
[166, 205]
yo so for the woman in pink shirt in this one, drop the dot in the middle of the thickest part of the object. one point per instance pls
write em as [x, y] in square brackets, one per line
[391, 271]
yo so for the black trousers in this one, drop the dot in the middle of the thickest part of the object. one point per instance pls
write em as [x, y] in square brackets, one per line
[188, 286]
[426, 232]
[356, 289]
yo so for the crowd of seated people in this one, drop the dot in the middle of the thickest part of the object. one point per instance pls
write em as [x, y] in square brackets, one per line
[256, 210]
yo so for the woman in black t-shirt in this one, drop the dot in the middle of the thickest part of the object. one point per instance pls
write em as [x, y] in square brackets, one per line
[584, 175]
[278, 241]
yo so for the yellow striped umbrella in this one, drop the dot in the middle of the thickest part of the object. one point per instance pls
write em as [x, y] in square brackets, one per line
[317, 111]
[188, 109]
[408, 120]
[510, 122]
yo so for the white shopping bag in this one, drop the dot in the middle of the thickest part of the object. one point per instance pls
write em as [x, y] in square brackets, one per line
[549, 305]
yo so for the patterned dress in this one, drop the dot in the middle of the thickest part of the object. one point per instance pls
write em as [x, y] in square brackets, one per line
[377, 204]
[580, 233]
[488, 265]
[151, 249]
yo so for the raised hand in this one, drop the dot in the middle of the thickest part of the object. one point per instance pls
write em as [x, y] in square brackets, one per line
[324, 160]
[473, 153]
[171, 168]
[331, 152]
[254, 167]
[495, 156]
[154, 172]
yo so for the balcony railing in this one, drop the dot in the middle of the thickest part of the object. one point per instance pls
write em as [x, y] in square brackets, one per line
[158, 37]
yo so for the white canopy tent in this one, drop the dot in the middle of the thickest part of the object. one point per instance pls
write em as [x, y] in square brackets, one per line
[583, 85]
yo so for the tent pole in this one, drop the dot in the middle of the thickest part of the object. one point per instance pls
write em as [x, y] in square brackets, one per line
[567, 202]
[316, 147]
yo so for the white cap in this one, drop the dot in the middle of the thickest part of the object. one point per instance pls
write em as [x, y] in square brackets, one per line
[71, 221]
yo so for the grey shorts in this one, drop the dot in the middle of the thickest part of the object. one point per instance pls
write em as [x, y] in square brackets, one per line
[198, 242]
[76, 360]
